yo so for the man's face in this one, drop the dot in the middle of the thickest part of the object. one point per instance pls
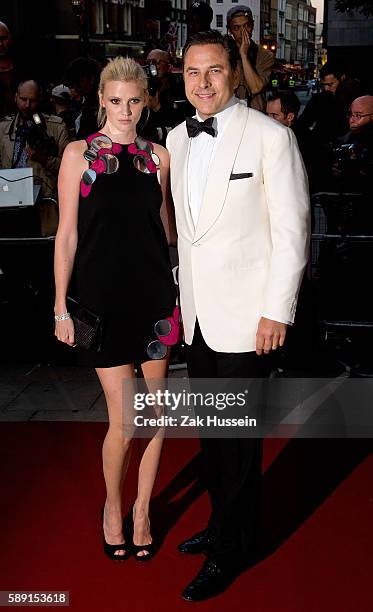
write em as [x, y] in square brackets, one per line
[330, 83]
[209, 79]
[27, 99]
[5, 41]
[238, 24]
[274, 111]
[361, 113]
[161, 60]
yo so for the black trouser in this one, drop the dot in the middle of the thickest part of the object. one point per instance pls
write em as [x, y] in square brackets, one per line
[232, 466]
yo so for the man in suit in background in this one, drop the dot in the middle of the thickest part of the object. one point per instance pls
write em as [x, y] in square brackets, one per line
[242, 212]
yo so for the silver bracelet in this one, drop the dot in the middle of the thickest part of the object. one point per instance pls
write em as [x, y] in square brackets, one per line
[62, 317]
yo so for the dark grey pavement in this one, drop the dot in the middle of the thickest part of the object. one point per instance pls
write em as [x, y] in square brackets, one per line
[40, 392]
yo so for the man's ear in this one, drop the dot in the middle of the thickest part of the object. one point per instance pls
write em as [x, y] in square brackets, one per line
[343, 77]
[290, 118]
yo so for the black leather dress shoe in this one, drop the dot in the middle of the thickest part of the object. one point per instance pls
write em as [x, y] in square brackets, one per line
[211, 580]
[195, 545]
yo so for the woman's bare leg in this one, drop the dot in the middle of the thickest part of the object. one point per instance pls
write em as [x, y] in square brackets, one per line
[149, 462]
[115, 450]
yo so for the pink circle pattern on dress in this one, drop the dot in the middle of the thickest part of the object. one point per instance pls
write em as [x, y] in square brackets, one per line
[134, 149]
[98, 165]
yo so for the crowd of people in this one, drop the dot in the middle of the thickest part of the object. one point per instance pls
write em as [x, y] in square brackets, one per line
[334, 130]
[68, 110]
[231, 185]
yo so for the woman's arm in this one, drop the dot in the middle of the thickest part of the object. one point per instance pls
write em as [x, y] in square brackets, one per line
[72, 166]
[167, 208]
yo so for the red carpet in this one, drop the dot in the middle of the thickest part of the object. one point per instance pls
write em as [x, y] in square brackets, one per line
[318, 524]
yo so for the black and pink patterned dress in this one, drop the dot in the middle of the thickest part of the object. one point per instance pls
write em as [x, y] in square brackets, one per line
[122, 269]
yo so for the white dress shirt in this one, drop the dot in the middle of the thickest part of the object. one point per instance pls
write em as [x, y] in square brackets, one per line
[200, 155]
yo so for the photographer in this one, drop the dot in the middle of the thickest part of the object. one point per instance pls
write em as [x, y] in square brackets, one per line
[31, 139]
[350, 174]
[158, 118]
[353, 165]
[82, 77]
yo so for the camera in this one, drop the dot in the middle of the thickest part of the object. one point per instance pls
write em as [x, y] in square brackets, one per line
[351, 152]
[351, 157]
[35, 132]
[345, 152]
[150, 70]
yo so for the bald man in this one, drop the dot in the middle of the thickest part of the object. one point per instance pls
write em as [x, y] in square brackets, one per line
[361, 114]
[169, 89]
[7, 71]
[354, 172]
[22, 145]
[162, 60]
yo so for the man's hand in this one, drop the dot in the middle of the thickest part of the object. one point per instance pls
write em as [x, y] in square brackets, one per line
[270, 335]
[39, 155]
[245, 42]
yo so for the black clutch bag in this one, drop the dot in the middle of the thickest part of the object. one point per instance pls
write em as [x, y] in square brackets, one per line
[87, 326]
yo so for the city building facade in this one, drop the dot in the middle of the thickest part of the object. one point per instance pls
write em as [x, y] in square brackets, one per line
[51, 34]
[348, 37]
[48, 35]
[300, 35]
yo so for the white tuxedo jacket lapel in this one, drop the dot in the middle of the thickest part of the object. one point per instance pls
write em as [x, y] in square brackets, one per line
[220, 171]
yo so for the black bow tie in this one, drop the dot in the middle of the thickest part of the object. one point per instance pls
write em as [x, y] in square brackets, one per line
[195, 127]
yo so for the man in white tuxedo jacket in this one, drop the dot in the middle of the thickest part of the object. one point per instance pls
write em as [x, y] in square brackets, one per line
[242, 211]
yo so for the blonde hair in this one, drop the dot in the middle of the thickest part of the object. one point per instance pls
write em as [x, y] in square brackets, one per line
[123, 69]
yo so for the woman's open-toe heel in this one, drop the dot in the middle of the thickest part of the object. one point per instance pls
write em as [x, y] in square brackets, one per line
[149, 550]
[111, 549]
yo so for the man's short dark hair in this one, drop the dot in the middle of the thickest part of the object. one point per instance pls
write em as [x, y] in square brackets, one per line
[289, 102]
[336, 68]
[213, 37]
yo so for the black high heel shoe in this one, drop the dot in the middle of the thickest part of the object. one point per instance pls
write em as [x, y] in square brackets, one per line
[111, 549]
[149, 549]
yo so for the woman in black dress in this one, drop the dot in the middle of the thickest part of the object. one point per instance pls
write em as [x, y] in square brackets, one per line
[111, 256]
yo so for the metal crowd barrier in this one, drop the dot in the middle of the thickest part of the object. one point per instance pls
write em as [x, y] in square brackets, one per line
[341, 266]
